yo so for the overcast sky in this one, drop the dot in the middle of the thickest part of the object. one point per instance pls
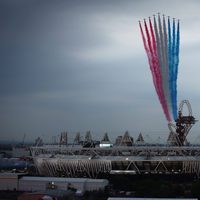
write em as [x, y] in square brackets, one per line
[78, 65]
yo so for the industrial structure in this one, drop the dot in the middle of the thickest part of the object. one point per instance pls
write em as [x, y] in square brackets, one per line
[184, 123]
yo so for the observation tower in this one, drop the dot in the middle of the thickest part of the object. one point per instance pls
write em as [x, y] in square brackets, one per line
[183, 124]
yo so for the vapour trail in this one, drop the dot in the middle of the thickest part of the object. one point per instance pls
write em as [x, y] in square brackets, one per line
[162, 48]
[148, 55]
[163, 60]
[158, 74]
[168, 99]
[176, 70]
[173, 84]
[170, 65]
[151, 58]
[151, 50]
[159, 56]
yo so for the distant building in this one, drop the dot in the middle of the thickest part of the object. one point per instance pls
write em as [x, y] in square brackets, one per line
[20, 151]
[10, 181]
[5, 150]
[29, 183]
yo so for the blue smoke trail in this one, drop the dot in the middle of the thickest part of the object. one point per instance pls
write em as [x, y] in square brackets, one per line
[174, 72]
[171, 52]
[173, 61]
[176, 69]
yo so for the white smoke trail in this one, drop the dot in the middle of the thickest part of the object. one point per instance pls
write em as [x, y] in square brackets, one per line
[168, 98]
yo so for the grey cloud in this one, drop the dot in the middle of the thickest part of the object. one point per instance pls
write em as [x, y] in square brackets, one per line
[52, 76]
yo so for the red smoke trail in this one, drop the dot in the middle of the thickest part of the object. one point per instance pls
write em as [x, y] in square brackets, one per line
[143, 38]
[149, 56]
[148, 38]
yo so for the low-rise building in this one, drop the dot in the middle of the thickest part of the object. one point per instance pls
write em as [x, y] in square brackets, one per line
[29, 183]
[10, 181]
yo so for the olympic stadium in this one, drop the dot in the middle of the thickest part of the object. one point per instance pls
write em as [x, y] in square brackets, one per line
[87, 159]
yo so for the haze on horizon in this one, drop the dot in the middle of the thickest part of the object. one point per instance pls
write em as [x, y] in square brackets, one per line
[80, 65]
